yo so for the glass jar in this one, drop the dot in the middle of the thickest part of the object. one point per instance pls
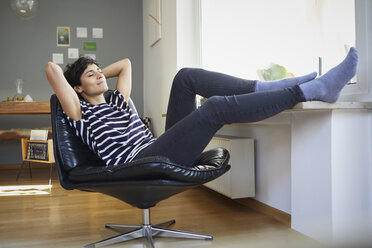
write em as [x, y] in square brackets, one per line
[19, 97]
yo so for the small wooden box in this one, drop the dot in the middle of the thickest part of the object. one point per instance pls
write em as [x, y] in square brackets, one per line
[49, 149]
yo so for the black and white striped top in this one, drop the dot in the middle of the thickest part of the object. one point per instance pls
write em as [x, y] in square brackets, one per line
[112, 130]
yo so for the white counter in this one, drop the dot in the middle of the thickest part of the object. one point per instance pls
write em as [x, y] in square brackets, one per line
[330, 149]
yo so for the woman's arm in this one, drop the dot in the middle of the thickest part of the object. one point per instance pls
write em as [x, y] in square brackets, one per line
[65, 93]
[123, 70]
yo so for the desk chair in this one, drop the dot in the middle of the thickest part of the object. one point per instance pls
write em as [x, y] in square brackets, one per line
[141, 183]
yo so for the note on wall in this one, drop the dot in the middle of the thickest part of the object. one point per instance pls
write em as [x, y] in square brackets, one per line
[73, 53]
[81, 32]
[91, 55]
[57, 58]
[97, 33]
[90, 46]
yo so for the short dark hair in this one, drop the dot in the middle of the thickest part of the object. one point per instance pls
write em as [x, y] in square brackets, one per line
[73, 71]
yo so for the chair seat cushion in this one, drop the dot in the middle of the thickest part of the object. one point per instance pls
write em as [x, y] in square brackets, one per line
[210, 165]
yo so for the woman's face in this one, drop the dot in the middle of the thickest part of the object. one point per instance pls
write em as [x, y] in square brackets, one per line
[93, 82]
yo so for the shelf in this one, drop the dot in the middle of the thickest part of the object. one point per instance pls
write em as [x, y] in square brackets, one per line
[20, 133]
[24, 108]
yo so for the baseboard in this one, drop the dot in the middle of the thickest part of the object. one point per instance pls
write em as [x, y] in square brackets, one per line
[279, 215]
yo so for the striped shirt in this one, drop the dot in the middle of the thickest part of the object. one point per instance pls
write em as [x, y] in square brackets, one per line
[112, 130]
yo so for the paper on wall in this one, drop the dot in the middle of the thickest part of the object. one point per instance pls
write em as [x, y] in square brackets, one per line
[81, 32]
[73, 53]
[91, 55]
[97, 32]
[57, 58]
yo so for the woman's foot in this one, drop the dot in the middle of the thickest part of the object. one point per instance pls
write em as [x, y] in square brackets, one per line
[283, 83]
[327, 88]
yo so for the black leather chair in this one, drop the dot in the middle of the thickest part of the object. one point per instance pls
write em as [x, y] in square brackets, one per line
[141, 183]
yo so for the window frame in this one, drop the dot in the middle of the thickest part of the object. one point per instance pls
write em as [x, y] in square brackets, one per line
[361, 91]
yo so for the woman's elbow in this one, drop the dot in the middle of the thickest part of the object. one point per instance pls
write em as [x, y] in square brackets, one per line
[49, 67]
[126, 62]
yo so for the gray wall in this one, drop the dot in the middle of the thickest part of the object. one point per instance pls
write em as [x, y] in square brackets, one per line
[26, 46]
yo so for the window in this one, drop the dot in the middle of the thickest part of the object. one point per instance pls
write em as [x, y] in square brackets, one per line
[240, 37]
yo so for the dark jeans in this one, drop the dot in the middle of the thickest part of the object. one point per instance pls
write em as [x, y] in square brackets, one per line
[230, 100]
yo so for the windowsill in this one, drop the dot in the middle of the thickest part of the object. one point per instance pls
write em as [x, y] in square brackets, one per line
[316, 105]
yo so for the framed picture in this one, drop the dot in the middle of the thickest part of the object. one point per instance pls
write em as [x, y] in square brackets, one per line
[63, 36]
[38, 151]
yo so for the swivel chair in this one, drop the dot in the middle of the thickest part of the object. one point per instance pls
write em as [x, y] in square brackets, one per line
[141, 183]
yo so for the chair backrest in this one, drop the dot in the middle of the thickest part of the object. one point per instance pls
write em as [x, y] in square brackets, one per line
[69, 150]
[132, 106]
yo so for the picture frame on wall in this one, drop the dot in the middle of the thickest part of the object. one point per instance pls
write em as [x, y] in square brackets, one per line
[63, 36]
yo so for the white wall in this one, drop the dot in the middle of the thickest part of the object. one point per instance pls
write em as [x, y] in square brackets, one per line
[370, 186]
[160, 64]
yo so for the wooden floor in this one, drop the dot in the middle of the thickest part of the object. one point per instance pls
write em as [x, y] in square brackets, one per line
[74, 218]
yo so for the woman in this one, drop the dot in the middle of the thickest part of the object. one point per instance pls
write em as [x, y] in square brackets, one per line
[117, 135]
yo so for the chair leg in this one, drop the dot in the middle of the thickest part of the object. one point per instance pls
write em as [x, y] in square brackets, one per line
[20, 170]
[29, 168]
[147, 229]
[161, 232]
[50, 174]
[165, 223]
[120, 226]
[138, 233]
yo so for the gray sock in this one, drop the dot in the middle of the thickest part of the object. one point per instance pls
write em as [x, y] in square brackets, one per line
[283, 83]
[327, 88]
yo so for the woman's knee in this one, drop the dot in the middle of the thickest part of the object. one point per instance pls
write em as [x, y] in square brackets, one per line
[182, 74]
[212, 107]
[182, 79]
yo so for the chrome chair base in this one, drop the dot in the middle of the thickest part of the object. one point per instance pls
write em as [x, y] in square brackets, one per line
[148, 231]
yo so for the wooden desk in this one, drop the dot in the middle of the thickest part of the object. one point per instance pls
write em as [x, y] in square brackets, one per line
[24, 108]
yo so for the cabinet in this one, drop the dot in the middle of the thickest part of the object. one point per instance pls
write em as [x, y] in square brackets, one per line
[239, 181]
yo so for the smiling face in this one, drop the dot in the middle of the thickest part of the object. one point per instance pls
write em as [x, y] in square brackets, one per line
[93, 82]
